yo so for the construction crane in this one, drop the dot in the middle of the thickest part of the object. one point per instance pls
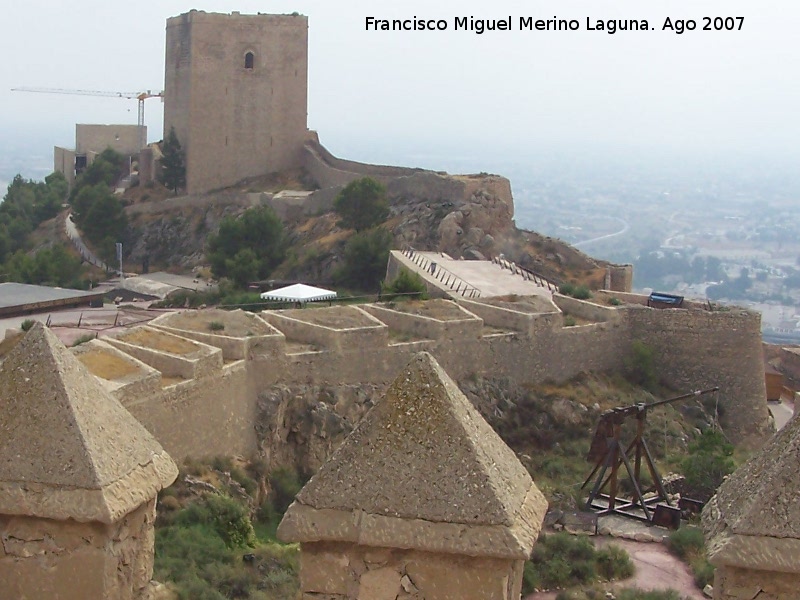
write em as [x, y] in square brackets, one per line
[140, 96]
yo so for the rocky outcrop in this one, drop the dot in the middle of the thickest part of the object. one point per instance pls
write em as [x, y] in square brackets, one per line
[173, 232]
[300, 427]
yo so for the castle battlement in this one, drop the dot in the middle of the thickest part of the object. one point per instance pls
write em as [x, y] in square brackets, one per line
[197, 379]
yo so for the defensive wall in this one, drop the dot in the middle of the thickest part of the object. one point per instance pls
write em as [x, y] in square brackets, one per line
[331, 174]
[197, 390]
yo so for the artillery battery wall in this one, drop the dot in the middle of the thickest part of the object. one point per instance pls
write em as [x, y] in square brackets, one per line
[217, 411]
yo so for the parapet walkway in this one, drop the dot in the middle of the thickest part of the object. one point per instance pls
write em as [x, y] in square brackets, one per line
[477, 278]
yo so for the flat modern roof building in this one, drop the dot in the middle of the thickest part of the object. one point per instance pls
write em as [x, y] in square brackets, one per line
[25, 299]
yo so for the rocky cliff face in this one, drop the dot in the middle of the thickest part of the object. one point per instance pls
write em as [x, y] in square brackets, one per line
[173, 232]
[465, 216]
[299, 427]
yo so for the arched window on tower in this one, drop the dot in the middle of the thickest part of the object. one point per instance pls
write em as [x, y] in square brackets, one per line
[249, 59]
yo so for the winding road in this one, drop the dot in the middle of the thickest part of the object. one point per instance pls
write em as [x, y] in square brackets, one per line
[625, 227]
[74, 235]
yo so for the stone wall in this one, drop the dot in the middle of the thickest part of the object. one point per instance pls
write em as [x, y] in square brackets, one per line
[64, 162]
[731, 583]
[335, 571]
[236, 120]
[206, 360]
[42, 558]
[211, 416]
[372, 333]
[467, 327]
[505, 317]
[329, 171]
[586, 310]
[620, 278]
[216, 412]
[125, 139]
[701, 349]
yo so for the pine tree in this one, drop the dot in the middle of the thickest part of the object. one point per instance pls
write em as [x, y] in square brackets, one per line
[173, 169]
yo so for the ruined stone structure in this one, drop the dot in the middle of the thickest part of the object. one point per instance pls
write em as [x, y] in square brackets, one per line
[78, 481]
[236, 93]
[423, 500]
[752, 524]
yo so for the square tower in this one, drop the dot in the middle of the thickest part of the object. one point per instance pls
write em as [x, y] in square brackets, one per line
[236, 92]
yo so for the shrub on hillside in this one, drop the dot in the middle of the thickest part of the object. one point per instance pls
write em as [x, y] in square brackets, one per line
[365, 258]
[362, 204]
[597, 593]
[640, 366]
[688, 544]
[581, 292]
[637, 594]
[405, 285]
[247, 247]
[561, 559]
[614, 563]
[229, 519]
[710, 459]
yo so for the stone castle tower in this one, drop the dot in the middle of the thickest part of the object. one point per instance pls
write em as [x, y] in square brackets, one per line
[236, 91]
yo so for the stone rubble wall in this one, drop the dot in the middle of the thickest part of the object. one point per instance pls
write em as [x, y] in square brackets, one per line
[329, 171]
[209, 416]
[67, 560]
[502, 317]
[233, 348]
[587, 310]
[333, 571]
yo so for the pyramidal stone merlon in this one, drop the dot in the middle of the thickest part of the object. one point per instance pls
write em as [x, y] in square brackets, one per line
[753, 521]
[68, 450]
[423, 470]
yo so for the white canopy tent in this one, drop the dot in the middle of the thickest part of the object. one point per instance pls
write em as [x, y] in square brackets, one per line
[299, 292]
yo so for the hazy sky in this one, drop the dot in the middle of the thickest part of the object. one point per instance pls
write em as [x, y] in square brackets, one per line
[375, 94]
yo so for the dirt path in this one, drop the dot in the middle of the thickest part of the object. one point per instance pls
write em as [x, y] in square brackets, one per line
[656, 569]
